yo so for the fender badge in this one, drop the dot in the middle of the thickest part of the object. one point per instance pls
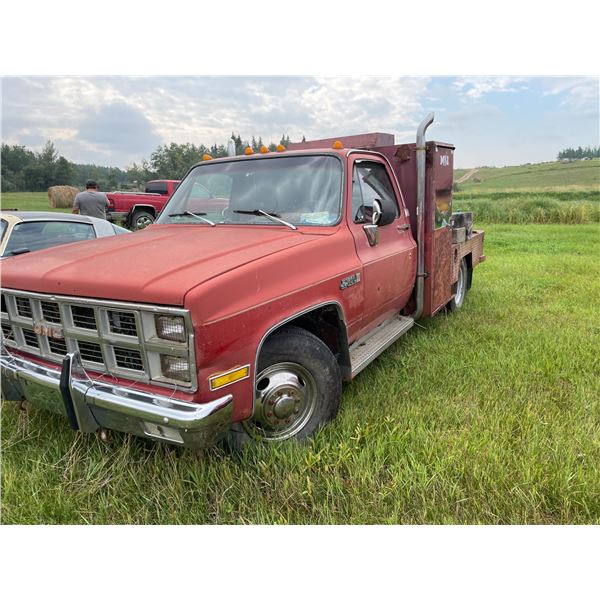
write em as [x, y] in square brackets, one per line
[349, 281]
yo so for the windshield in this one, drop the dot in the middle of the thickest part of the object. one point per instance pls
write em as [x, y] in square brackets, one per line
[301, 190]
[38, 235]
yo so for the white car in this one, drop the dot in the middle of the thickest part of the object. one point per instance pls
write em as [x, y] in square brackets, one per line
[22, 232]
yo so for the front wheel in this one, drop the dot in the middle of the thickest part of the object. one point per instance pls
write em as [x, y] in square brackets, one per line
[298, 389]
[461, 287]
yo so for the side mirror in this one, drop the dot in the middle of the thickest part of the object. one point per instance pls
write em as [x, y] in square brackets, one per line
[379, 214]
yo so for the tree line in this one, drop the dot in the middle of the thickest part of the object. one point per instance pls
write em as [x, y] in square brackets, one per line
[579, 153]
[24, 170]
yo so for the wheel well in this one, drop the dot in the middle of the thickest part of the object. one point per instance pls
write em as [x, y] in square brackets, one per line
[140, 208]
[326, 323]
[144, 208]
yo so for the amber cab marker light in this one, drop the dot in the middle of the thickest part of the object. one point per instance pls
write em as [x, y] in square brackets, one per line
[206, 157]
[263, 149]
[337, 145]
[280, 148]
[248, 151]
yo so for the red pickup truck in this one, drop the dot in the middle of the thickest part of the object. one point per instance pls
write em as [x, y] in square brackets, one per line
[139, 209]
[245, 320]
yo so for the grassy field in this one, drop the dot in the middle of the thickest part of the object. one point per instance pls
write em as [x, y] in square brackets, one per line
[541, 193]
[28, 201]
[578, 175]
[489, 415]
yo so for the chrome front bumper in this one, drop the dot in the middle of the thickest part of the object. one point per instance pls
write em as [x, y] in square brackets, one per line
[91, 405]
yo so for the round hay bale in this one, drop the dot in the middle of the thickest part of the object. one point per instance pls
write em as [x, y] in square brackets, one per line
[62, 196]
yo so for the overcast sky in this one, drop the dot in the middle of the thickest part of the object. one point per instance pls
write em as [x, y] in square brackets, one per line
[117, 120]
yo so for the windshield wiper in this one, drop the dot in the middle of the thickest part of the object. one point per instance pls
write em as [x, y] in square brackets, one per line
[18, 251]
[261, 213]
[196, 215]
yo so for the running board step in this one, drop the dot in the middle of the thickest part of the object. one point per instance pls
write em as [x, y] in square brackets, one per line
[368, 348]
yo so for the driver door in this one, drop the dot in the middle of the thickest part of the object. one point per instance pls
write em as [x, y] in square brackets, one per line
[389, 265]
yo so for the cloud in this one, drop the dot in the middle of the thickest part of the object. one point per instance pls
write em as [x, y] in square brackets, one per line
[576, 92]
[115, 120]
[120, 126]
[475, 88]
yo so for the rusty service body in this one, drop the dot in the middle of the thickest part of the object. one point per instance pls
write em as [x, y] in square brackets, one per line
[243, 320]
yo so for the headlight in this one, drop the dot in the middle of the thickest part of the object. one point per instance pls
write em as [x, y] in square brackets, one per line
[170, 328]
[175, 367]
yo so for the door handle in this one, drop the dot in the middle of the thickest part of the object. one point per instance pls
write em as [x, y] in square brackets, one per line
[404, 227]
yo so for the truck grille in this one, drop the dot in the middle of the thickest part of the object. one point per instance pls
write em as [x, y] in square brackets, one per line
[122, 323]
[7, 332]
[23, 307]
[30, 338]
[118, 338]
[57, 346]
[90, 352]
[129, 359]
[84, 317]
[50, 311]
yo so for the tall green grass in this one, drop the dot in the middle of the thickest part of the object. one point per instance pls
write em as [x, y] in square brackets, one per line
[487, 415]
[516, 207]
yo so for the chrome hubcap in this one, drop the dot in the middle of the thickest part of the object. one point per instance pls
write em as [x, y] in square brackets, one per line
[143, 222]
[284, 402]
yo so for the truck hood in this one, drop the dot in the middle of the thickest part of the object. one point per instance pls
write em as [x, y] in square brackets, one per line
[158, 265]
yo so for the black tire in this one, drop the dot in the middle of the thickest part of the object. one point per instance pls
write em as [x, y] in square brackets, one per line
[140, 219]
[299, 388]
[461, 287]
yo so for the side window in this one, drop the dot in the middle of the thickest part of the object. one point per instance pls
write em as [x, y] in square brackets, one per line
[370, 182]
[157, 187]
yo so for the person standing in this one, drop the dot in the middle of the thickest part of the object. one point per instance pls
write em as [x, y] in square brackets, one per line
[91, 203]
